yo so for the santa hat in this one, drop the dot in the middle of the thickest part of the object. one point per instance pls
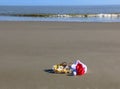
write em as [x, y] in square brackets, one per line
[79, 68]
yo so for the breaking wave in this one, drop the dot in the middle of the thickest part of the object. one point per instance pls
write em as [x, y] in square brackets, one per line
[114, 15]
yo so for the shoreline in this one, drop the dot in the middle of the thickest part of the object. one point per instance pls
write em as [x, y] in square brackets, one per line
[59, 22]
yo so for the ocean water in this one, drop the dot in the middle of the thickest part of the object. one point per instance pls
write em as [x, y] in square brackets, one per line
[61, 13]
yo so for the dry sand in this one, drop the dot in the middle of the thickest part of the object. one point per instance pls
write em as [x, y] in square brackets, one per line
[29, 48]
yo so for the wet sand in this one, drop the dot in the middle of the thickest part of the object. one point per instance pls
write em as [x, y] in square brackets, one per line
[27, 49]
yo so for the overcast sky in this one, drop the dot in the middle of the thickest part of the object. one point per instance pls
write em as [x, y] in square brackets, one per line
[59, 2]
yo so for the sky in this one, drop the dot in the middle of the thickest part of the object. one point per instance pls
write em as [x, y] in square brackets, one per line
[59, 2]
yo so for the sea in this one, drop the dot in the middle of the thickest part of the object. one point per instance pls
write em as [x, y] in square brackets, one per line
[103, 13]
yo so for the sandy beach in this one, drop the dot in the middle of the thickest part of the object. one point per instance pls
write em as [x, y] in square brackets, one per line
[27, 49]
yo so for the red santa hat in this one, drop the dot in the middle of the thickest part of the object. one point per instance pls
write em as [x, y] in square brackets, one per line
[80, 68]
